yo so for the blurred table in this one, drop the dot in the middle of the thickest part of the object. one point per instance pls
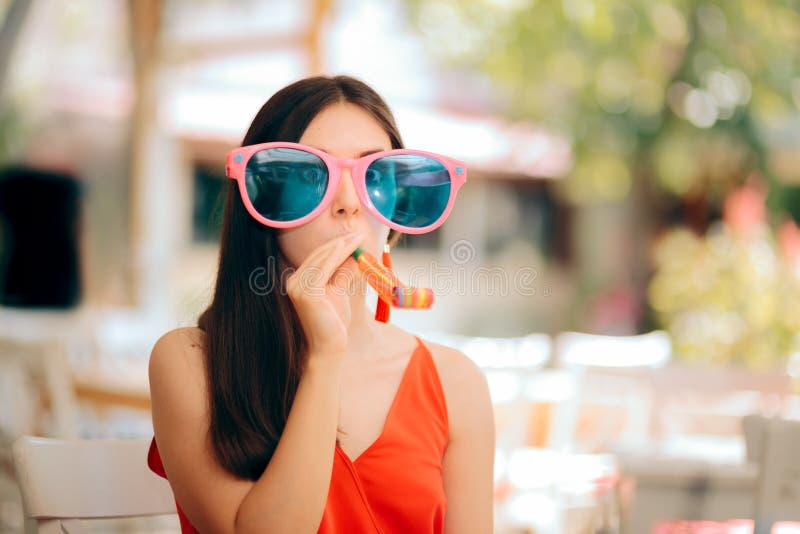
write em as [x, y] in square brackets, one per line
[109, 391]
[62, 344]
[687, 478]
[38, 342]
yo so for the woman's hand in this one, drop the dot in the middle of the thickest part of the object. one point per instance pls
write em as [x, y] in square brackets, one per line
[322, 303]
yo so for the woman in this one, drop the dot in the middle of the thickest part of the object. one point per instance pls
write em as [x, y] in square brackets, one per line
[289, 408]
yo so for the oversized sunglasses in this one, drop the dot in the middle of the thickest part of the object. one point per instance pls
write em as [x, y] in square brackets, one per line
[288, 184]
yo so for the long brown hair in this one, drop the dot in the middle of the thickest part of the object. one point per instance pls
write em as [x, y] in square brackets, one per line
[254, 343]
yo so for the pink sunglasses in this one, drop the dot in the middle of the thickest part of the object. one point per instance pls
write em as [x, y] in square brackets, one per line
[288, 184]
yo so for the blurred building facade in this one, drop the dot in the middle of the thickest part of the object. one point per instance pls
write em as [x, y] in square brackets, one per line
[142, 100]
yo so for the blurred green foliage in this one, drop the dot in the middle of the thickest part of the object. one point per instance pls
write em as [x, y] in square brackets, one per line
[728, 296]
[692, 96]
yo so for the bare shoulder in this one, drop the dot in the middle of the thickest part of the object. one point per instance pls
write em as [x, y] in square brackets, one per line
[468, 462]
[181, 346]
[465, 388]
[455, 368]
[180, 412]
[177, 365]
[185, 337]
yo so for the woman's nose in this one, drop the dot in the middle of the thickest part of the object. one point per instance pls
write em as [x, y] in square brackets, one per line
[346, 201]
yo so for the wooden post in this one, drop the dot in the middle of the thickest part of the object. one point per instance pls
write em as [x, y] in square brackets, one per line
[145, 30]
[12, 24]
[319, 11]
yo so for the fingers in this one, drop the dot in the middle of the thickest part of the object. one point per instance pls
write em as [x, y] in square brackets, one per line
[337, 257]
[316, 270]
[322, 250]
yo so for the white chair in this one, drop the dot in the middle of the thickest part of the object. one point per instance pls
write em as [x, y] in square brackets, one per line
[766, 488]
[36, 389]
[774, 441]
[65, 481]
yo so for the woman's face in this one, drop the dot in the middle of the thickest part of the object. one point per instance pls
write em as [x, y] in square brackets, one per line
[343, 130]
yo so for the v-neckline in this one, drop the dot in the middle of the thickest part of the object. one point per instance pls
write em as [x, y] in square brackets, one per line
[392, 408]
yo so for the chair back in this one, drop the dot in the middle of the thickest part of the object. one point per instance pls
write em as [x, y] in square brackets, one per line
[778, 494]
[64, 481]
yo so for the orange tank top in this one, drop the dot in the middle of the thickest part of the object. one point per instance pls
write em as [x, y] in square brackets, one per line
[395, 485]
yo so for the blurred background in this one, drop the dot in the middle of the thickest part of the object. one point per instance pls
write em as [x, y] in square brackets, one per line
[623, 263]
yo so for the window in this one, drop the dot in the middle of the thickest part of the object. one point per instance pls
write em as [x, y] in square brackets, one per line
[526, 211]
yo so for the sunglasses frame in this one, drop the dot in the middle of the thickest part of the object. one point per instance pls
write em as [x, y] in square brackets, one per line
[237, 159]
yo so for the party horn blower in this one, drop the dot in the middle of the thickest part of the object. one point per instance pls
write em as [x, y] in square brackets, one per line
[388, 286]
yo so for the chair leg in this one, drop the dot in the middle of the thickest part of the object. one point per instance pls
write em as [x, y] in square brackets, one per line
[58, 380]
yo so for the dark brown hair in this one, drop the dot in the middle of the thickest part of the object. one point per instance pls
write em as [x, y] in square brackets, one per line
[255, 347]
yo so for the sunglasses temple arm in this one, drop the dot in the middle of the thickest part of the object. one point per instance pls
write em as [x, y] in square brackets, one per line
[230, 164]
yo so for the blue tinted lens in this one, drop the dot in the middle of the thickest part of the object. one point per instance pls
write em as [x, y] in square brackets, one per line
[409, 189]
[285, 184]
